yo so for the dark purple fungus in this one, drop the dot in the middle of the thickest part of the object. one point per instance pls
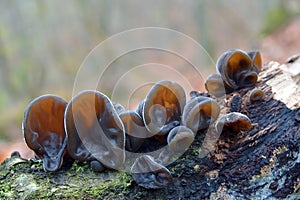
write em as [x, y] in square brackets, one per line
[43, 129]
[15, 154]
[199, 113]
[163, 106]
[95, 130]
[135, 130]
[150, 174]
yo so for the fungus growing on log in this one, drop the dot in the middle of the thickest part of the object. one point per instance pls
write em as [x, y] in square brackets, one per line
[150, 174]
[215, 85]
[180, 138]
[199, 113]
[261, 162]
[163, 107]
[234, 121]
[43, 130]
[95, 130]
[236, 69]
[256, 95]
[134, 129]
[256, 60]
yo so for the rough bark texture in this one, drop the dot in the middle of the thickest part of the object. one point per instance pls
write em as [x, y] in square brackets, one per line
[262, 163]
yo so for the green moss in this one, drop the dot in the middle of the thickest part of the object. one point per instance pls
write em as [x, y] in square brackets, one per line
[27, 180]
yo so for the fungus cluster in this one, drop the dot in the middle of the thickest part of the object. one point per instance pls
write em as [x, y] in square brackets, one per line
[91, 128]
[235, 69]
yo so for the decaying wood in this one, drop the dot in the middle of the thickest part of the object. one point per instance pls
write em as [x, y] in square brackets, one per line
[259, 164]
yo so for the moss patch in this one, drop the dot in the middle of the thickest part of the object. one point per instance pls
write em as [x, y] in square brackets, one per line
[27, 180]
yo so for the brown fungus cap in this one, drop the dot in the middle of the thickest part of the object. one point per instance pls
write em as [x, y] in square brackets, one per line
[43, 130]
[163, 107]
[236, 69]
[256, 95]
[256, 60]
[199, 113]
[95, 129]
[180, 138]
[135, 130]
[233, 122]
[214, 85]
[149, 174]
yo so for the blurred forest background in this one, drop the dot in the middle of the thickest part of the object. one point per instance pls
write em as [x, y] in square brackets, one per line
[43, 43]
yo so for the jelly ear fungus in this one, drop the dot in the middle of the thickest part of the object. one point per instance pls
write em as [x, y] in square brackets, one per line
[43, 130]
[256, 60]
[236, 69]
[163, 107]
[180, 138]
[134, 129]
[199, 113]
[214, 85]
[95, 130]
[232, 123]
[150, 174]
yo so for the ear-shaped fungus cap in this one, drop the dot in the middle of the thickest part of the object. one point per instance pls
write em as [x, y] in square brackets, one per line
[163, 107]
[214, 85]
[199, 113]
[256, 60]
[95, 129]
[43, 129]
[150, 174]
[256, 95]
[235, 68]
[180, 138]
[234, 122]
[134, 129]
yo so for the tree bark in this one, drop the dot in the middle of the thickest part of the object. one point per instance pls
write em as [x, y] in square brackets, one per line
[259, 164]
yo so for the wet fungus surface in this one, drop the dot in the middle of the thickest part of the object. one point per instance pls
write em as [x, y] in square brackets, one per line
[256, 60]
[180, 138]
[199, 113]
[95, 130]
[233, 122]
[43, 130]
[135, 130]
[91, 128]
[256, 95]
[163, 107]
[149, 174]
[215, 85]
[236, 69]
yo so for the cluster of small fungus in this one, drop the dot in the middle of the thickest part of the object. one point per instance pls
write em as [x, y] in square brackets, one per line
[91, 128]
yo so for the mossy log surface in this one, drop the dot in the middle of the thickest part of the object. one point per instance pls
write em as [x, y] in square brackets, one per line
[263, 163]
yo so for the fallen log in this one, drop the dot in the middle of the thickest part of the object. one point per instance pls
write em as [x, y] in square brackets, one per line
[259, 164]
